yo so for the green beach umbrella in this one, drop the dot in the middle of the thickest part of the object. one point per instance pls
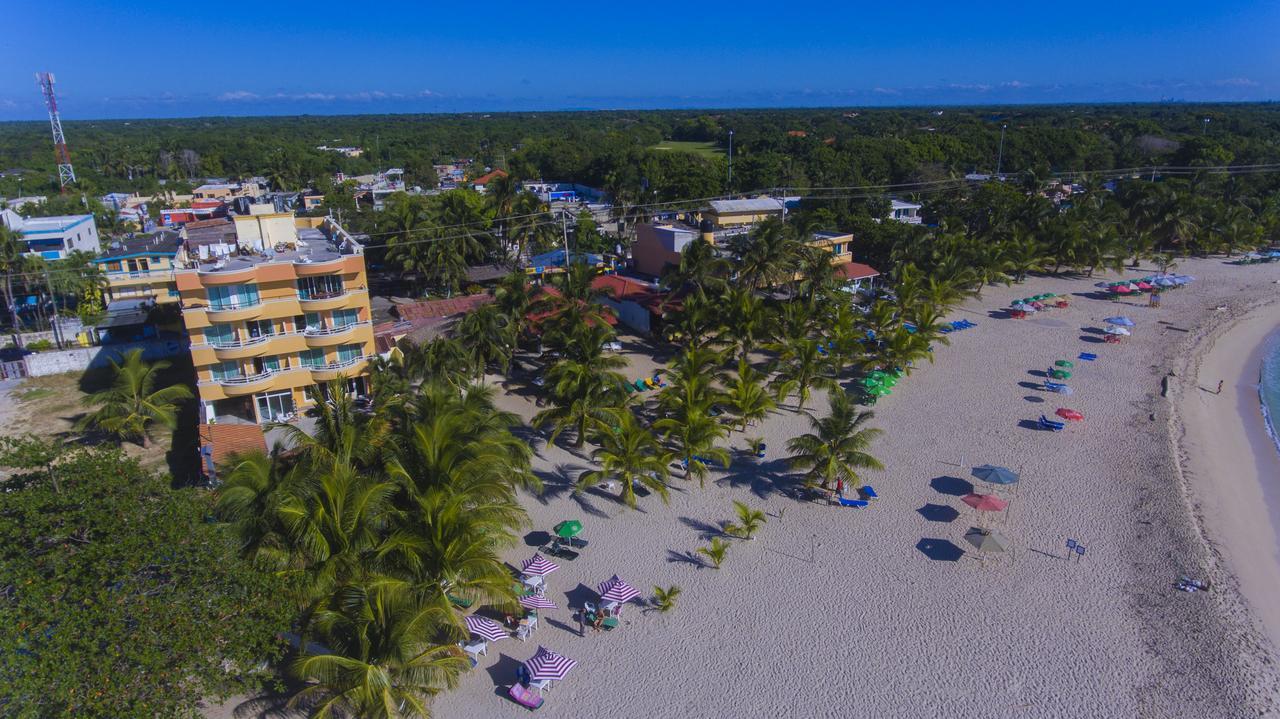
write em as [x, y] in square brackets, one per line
[1064, 363]
[568, 528]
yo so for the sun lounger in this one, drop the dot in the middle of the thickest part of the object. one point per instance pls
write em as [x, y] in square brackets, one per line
[460, 602]
[577, 542]
[561, 552]
[1088, 356]
[868, 492]
[1057, 387]
[1046, 423]
[845, 502]
[609, 623]
[524, 696]
[640, 385]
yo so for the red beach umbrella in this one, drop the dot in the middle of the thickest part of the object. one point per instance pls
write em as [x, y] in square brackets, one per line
[1070, 414]
[985, 502]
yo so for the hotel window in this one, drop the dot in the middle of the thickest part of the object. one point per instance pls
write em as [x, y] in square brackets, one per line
[230, 297]
[220, 335]
[837, 248]
[311, 358]
[348, 353]
[344, 318]
[312, 288]
[260, 328]
[266, 364]
[226, 370]
[308, 322]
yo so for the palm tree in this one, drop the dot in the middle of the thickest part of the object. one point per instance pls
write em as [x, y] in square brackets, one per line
[747, 397]
[836, 449]
[512, 298]
[715, 551]
[664, 600]
[628, 453]
[800, 368]
[768, 255]
[746, 319]
[749, 520]
[583, 389]
[689, 426]
[1025, 254]
[127, 409]
[489, 337]
[380, 662]
[256, 489]
[12, 249]
[700, 269]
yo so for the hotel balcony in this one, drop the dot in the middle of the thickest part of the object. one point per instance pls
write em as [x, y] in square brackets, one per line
[240, 349]
[326, 265]
[333, 335]
[242, 385]
[349, 368]
[329, 301]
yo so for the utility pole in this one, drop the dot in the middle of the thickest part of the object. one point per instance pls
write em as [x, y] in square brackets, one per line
[53, 324]
[1205, 128]
[564, 232]
[730, 188]
[1000, 154]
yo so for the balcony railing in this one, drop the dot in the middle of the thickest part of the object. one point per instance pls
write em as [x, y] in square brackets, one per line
[243, 379]
[314, 296]
[325, 331]
[340, 365]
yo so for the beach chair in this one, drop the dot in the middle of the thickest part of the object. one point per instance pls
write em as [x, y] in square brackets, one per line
[845, 502]
[868, 492]
[556, 550]
[525, 697]
[609, 623]
[460, 602]
[1087, 356]
[475, 650]
[1057, 387]
[1046, 423]
[640, 385]
[577, 542]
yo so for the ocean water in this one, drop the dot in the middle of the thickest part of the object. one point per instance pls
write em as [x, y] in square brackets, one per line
[1269, 387]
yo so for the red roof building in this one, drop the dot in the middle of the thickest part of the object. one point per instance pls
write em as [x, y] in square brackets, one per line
[220, 442]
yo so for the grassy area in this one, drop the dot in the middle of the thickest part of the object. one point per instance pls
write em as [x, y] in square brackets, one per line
[706, 149]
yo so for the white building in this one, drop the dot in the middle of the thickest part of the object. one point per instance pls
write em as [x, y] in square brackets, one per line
[908, 212]
[53, 238]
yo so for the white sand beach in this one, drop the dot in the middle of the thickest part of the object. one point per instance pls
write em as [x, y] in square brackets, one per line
[886, 611]
[1231, 460]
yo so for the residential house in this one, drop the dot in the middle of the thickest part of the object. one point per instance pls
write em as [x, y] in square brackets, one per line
[285, 311]
[480, 183]
[142, 268]
[908, 212]
[637, 304]
[53, 238]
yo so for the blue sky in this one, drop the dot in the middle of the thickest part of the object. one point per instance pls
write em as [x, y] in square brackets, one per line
[161, 58]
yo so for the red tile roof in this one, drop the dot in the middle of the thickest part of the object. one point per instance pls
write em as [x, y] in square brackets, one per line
[224, 440]
[441, 308]
[624, 288]
[488, 177]
[855, 271]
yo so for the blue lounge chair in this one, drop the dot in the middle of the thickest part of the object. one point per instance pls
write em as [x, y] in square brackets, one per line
[1046, 423]
[1088, 356]
[1057, 387]
[868, 492]
[844, 502]
[760, 454]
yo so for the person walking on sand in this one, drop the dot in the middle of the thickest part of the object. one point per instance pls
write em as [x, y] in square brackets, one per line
[1219, 387]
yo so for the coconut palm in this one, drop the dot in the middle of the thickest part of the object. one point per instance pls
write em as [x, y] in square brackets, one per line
[747, 395]
[488, 336]
[583, 389]
[836, 449]
[746, 320]
[715, 551]
[768, 255]
[12, 249]
[700, 269]
[664, 600]
[629, 454]
[749, 520]
[688, 425]
[132, 404]
[799, 369]
[380, 662]
[257, 486]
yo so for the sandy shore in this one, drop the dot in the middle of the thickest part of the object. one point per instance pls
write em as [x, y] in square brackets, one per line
[1232, 461]
[887, 611]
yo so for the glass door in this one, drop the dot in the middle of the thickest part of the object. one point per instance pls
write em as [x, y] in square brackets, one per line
[275, 406]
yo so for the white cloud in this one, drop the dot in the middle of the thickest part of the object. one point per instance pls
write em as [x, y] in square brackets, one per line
[1016, 84]
[1237, 82]
[237, 96]
[886, 91]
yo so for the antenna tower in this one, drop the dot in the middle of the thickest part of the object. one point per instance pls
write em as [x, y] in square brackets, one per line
[66, 174]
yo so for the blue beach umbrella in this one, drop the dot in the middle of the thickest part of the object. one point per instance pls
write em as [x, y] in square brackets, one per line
[995, 475]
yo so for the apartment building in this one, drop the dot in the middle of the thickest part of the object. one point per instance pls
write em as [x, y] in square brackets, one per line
[142, 268]
[53, 238]
[272, 321]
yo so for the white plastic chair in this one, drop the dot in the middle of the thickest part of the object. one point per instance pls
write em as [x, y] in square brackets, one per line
[540, 685]
[477, 650]
[522, 632]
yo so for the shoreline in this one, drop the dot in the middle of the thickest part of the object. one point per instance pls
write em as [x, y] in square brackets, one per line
[1226, 454]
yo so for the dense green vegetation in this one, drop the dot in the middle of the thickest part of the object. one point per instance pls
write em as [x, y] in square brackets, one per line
[118, 596]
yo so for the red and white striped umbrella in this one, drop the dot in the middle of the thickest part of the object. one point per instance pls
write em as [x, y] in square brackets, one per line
[486, 628]
[538, 566]
[616, 590]
[546, 664]
[537, 601]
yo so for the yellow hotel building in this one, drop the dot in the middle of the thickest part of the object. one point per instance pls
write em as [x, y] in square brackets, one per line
[273, 315]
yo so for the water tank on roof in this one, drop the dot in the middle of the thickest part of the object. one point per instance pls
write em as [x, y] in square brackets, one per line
[706, 226]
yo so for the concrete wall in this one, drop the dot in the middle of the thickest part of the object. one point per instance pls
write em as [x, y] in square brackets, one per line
[78, 360]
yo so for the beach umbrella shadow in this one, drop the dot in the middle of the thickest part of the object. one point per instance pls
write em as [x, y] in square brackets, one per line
[1092, 339]
[503, 671]
[953, 486]
[940, 550]
[939, 513]
[537, 538]
[1033, 398]
[1032, 385]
